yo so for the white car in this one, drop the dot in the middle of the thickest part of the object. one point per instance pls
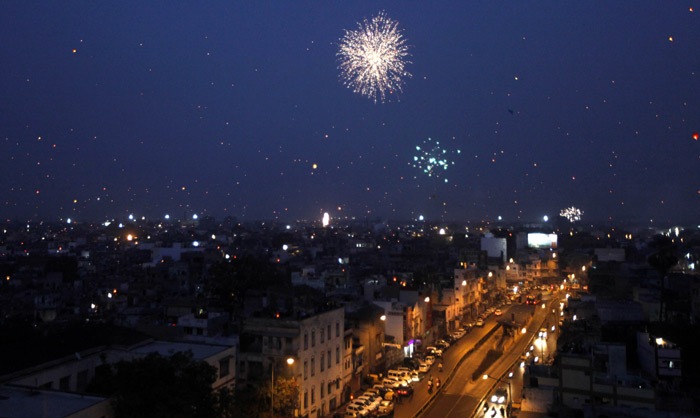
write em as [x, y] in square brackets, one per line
[385, 409]
[479, 322]
[423, 367]
[370, 401]
[357, 410]
[390, 383]
[365, 402]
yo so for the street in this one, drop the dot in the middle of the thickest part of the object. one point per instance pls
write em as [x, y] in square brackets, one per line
[459, 395]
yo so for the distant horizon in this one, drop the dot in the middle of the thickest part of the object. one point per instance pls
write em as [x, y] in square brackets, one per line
[551, 224]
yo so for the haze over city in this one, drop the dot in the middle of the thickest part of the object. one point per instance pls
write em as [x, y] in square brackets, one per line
[247, 109]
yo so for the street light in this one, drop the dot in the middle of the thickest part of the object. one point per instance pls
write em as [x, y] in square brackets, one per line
[290, 361]
[498, 400]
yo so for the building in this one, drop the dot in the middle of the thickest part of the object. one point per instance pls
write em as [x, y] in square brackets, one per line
[314, 343]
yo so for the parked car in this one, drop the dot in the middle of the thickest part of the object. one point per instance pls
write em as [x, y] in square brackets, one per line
[356, 409]
[390, 383]
[364, 401]
[386, 408]
[479, 322]
[498, 312]
[371, 402]
[430, 360]
[400, 375]
[386, 393]
[423, 368]
[442, 342]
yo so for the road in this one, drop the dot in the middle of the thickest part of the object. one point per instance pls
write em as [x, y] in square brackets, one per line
[459, 395]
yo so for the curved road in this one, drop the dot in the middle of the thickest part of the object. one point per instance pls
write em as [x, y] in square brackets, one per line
[458, 395]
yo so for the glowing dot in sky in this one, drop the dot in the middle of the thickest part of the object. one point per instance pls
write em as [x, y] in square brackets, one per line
[573, 214]
[326, 219]
[373, 58]
[433, 159]
[696, 136]
[314, 166]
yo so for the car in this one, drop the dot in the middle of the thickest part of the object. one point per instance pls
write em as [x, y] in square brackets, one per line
[499, 396]
[404, 390]
[542, 334]
[497, 312]
[423, 367]
[400, 375]
[357, 409]
[386, 408]
[373, 401]
[459, 333]
[479, 322]
[442, 342]
[430, 360]
[390, 383]
[364, 401]
[386, 393]
[413, 374]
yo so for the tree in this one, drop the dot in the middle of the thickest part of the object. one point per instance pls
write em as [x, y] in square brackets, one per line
[157, 386]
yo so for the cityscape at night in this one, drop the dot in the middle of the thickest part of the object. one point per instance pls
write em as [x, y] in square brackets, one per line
[349, 209]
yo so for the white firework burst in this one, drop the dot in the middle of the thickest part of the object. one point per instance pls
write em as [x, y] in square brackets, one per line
[373, 58]
[573, 214]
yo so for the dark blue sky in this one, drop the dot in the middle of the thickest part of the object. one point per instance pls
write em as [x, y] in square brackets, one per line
[223, 108]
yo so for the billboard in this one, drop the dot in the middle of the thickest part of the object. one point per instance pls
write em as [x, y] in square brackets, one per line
[540, 240]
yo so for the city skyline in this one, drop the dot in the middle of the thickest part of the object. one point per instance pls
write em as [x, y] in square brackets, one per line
[241, 109]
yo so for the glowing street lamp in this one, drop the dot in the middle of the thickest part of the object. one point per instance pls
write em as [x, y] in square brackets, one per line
[290, 362]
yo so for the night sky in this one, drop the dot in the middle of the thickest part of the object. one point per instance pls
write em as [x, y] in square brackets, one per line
[220, 108]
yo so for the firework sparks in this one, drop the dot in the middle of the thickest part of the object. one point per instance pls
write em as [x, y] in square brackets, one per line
[572, 214]
[373, 58]
[432, 159]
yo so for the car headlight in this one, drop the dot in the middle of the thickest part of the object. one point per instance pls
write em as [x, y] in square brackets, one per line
[494, 398]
